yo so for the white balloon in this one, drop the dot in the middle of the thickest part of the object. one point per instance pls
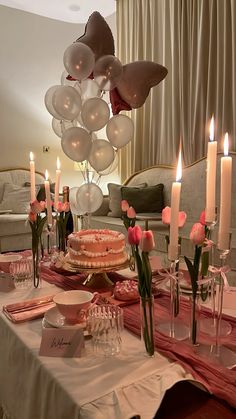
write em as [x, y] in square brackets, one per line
[79, 60]
[120, 130]
[101, 155]
[60, 126]
[111, 168]
[67, 102]
[65, 81]
[89, 197]
[95, 114]
[74, 204]
[48, 101]
[76, 143]
[89, 89]
[107, 72]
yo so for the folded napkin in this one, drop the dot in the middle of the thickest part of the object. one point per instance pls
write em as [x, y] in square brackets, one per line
[28, 310]
[217, 379]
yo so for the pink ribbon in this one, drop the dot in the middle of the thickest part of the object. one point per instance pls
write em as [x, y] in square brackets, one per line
[222, 271]
[166, 275]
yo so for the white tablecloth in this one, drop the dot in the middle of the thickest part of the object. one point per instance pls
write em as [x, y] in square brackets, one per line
[34, 387]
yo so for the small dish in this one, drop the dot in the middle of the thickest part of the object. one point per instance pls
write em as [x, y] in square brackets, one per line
[54, 318]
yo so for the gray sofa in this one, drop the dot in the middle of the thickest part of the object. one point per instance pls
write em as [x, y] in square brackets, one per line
[192, 202]
[15, 233]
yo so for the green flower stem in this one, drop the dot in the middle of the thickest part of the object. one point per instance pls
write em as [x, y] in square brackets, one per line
[147, 324]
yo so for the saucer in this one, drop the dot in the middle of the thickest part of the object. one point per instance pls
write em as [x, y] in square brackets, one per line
[54, 318]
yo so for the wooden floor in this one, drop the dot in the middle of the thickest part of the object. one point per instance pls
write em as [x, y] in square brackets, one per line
[184, 400]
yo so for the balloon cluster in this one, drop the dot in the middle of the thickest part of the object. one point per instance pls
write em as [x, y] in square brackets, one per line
[79, 108]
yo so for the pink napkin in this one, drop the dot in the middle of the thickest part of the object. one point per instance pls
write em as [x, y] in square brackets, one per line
[28, 310]
[216, 378]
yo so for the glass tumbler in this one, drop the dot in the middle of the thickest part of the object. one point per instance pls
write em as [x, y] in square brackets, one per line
[21, 270]
[105, 324]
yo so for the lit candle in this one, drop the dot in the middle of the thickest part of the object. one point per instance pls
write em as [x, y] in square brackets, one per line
[174, 220]
[32, 177]
[225, 197]
[211, 176]
[48, 199]
[57, 183]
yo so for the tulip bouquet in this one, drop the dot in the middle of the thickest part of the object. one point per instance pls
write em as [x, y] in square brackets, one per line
[143, 243]
[37, 223]
[129, 219]
[63, 214]
[198, 237]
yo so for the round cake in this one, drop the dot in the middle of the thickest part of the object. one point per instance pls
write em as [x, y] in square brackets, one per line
[97, 248]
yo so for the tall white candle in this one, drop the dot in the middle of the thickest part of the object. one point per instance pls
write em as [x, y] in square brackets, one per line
[32, 178]
[225, 197]
[174, 220]
[48, 199]
[211, 176]
[57, 183]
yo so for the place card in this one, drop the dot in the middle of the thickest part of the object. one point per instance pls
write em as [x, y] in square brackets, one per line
[63, 343]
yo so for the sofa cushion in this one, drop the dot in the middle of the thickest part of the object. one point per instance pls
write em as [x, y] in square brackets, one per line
[15, 198]
[115, 197]
[149, 199]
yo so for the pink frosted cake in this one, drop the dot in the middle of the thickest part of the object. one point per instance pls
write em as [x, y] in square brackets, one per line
[97, 248]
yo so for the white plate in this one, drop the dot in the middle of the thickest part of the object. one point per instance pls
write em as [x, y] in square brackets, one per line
[54, 318]
[9, 258]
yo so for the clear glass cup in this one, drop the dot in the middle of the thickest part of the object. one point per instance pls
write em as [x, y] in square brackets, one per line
[21, 270]
[105, 324]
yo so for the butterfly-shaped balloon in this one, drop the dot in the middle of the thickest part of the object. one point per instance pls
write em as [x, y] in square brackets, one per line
[137, 78]
[134, 86]
[98, 36]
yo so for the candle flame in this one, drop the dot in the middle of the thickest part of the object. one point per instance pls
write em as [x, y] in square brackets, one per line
[179, 168]
[46, 175]
[31, 156]
[212, 124]
[226, 144]
[58, 163]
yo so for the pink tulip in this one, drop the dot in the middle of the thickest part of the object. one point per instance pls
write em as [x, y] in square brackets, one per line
[134, 234]
[197, 234]
[124, 205]
[131, 212]
[35, 207]
[166, 217]
[202, 218]
[147, 242]
[32, 217]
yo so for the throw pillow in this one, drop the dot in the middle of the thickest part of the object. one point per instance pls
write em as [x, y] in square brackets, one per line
[149, 199]
[15, 198]
[115, 197]
[40, 190]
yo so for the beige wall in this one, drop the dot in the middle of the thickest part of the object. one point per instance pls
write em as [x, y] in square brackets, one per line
[31, 51]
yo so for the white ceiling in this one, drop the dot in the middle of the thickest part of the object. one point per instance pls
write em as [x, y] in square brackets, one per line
[74, 11]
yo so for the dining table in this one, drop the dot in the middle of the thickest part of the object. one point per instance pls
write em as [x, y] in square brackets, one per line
[128, 385]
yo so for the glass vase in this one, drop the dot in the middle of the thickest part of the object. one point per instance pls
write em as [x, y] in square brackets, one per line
[147, 323]
[36, 263]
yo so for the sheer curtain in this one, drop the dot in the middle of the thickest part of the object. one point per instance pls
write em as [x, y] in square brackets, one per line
[196, 41]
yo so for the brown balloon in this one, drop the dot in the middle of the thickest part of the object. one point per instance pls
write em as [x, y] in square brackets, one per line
[98, 36]
[137, 80]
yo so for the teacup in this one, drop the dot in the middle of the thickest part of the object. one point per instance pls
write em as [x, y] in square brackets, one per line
[73, 305]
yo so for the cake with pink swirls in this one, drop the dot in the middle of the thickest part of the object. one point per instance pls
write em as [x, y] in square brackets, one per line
[97, 248]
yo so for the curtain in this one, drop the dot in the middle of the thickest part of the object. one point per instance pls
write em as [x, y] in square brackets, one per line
[196, 41]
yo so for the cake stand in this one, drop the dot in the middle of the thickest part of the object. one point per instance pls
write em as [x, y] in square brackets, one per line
[97, 277]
